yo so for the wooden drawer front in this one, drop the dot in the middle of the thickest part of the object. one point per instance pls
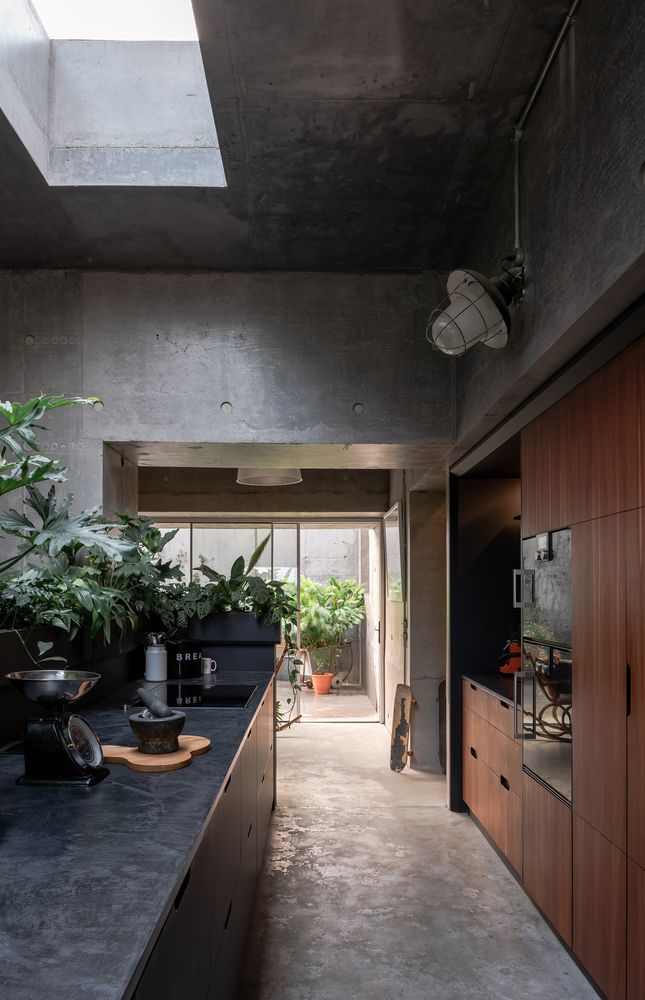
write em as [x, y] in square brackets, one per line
[548, 859]
[500, 715]
[635, 931]
[504, 817]
[471, 784]
[497, 808]
[475, 699]
[474, 732]
[502, 755]
[600, 908]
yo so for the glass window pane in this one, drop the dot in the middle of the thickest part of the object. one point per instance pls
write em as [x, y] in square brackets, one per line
[219, 545]
[177, 550]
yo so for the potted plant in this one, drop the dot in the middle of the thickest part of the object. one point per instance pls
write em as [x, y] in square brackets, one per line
[327, 612]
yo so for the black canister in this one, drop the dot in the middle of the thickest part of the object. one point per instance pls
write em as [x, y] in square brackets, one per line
[184, 658]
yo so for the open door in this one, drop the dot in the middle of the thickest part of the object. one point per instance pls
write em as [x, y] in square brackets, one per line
[395, 607]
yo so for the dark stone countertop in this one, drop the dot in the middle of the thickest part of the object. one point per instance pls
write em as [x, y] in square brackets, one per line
[500, 685]
[87, 876]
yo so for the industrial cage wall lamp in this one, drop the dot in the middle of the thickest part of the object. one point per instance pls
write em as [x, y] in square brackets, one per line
[478, 309]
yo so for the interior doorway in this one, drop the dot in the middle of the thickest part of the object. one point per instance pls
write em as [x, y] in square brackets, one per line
[324, 561]
[341, 558]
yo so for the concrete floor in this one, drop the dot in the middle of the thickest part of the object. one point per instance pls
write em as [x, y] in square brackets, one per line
[371, 888]
[339, 705]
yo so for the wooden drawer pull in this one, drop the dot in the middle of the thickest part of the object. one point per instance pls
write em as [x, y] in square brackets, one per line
[504, 782]
[473, 752]
[504, 705]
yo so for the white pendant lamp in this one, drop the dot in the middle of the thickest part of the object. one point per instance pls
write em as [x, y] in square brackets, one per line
[268, 477]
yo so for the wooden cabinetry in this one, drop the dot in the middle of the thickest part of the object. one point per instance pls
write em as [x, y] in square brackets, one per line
[599, 676]
[635, 931]
[599, 908]
[547, 840]
[492, 771]
[584, 457]
[635, 598]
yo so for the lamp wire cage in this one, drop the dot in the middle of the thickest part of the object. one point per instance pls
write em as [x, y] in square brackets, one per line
[492, 304]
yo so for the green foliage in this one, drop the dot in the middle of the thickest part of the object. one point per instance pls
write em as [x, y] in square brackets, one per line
[20, 463]
[88, 578]
[327, 611]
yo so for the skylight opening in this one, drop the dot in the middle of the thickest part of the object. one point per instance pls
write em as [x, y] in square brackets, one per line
[118, 20]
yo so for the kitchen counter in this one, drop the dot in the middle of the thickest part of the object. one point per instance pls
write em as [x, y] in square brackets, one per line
[88, 876]
[499, 685]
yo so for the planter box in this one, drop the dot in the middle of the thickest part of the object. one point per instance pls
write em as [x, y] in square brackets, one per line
[237, 640]
[234, 627]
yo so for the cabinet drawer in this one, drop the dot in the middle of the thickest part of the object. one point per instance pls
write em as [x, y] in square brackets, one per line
[497, 807]
[475, 699]
[548, 854]
[501, 754]
[500, 715]
[471, 784]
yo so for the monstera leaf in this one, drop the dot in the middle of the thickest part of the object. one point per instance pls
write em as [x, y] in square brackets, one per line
[26, 467]
[54, 528]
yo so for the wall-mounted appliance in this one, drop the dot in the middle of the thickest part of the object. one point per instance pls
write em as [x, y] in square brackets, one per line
[543, 696]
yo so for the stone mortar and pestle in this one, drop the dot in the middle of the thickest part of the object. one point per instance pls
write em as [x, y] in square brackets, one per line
[156, 727]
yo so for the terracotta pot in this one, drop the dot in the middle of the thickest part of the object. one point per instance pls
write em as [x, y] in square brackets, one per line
[322, 683]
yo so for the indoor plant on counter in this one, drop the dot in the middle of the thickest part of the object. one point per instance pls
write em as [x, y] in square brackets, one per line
[240, 611]
[71, 576]
[327, 612]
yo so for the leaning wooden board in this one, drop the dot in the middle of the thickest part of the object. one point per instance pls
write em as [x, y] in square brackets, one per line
[189, 747]
[399, 753]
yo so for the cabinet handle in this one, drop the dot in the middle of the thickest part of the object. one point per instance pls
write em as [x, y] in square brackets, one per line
[249, 833]
[503, 704]
[227, 783]
[228, 915]
[629, 688]
[182, 890]
[473, 687]
[504, 782]
[473, 753]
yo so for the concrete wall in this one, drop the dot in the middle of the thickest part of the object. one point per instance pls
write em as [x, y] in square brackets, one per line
[583, 213]
[132, 113]
[177, 492]
[291, 352]
[24, 77]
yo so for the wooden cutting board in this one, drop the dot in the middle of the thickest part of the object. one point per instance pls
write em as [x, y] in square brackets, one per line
[189, 747]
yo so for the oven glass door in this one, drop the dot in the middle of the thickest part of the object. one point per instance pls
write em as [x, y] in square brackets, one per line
[546, 714]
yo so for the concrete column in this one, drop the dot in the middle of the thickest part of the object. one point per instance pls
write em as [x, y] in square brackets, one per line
[427, 621]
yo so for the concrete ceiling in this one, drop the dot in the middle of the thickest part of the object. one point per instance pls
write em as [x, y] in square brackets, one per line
[355, 136]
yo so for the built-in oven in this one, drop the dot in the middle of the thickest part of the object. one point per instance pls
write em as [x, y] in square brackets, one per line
[543, 697]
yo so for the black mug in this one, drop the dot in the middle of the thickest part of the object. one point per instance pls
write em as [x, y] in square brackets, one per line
[184, 658]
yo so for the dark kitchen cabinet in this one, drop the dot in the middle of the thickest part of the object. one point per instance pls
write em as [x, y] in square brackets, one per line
[199, 951]
[635, 596]
[600, 908]
[547, 839]
[180, 964]
[600, 676]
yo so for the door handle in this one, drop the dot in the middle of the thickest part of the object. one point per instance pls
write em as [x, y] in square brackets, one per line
[519, 732]
[523, 588]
